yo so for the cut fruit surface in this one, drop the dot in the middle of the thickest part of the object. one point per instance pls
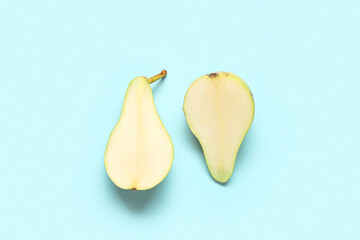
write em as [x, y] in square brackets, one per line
[139, 153]
[219, 109]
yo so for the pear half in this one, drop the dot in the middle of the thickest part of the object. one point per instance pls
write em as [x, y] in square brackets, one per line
[219, 109]
[139, 153]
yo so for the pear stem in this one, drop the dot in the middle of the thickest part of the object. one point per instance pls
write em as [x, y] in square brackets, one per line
[157, 77]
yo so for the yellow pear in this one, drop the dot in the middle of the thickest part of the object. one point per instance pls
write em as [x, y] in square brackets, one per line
[219, 109]
[139, 153]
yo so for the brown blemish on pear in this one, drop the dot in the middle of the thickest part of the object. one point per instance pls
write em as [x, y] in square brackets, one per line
[214, 74]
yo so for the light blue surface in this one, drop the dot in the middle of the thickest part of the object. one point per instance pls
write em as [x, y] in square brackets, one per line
[64, 70]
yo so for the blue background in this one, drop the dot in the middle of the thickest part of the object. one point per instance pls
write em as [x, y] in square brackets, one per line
[64, 70]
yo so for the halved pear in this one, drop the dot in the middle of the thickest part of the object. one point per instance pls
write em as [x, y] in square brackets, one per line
[219, 109]
[139, 153]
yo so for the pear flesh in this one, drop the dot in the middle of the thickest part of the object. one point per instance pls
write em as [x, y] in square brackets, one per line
[139, 152]
[219, 109]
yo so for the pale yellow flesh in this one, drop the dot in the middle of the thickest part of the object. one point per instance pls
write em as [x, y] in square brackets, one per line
[219, 111]
[139, 153]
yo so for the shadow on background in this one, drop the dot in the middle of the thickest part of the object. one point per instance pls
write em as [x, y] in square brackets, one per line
[157, 85]
[138, 201]
[243, 154]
